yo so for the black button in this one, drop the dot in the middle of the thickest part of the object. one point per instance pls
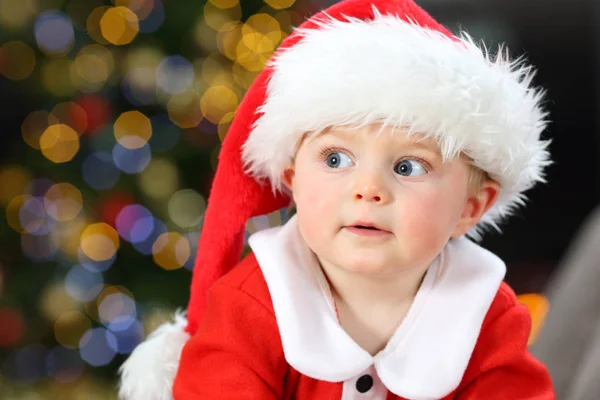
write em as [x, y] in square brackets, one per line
[364, 383]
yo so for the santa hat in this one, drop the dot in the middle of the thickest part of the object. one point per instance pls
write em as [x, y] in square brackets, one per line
[358, 62]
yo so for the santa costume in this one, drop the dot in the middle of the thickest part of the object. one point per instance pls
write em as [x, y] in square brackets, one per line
[266, 327]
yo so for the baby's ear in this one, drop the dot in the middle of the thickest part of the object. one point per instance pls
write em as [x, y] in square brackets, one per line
[476, 206]
[287, 178]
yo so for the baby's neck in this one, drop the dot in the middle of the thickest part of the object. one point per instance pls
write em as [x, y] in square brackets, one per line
[370, 308]
[380, 291]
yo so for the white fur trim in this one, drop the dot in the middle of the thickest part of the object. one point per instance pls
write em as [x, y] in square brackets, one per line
[387, 70]
[149, 372]
[445, 318]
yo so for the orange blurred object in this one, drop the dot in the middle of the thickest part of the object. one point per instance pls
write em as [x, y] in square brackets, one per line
[538, 306]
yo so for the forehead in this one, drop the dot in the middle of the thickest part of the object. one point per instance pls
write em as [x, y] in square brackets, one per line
[395, 136]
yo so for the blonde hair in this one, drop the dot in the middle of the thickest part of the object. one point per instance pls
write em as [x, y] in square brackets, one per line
[477, 177]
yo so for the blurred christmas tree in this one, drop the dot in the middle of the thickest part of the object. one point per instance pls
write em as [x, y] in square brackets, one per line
[103, 185]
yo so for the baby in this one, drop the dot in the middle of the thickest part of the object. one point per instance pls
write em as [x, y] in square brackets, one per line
[395, 140]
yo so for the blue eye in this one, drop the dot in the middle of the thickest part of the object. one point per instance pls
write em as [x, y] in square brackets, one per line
[338, 160]
[410, 168]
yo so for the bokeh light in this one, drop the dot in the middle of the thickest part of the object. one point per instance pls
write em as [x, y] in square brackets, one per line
[63, 202]
[146, 246]
[184, 109]
[69, 113]
[127, 339]
[171, 251]
[155, 19]
[38, 248]
[59, 143]
[16, 14]
[54, 33]
[82, 284]
[93, 24]
[131, 161]
[160, 179]
[70, 327]
[96, 347]
[216, 17]
[91, 68]
[186, 209]
[135, 223]
[17, 60]
[217, 102]
[33, 126]
[97, 110]
[33, 217]
[12, 327]
[133, 129]
[95, 265]
[99, 171]
[99, 241]
[55, 301]
[174, 74]
[119, 25]
[56, 77]
[117, 311]
[13, 181]
[280, 4]
[225, 3]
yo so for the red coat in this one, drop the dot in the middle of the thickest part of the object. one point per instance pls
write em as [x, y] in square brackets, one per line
[237, 352]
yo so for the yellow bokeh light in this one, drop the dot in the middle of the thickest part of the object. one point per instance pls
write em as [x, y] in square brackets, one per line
[56, 77]
[186, 208]
[16, 14]
[70, 327]
[224, 3]
[93, 24]
[59, 143]
[205, 36]
[99, 241]
[216, 70]
[160, 179]
[13, 181]
[184, 109]
[264, 24]
[243, 77]
[55, 301]
[171, 251]
[13, 210]
[68, 236]
[119, 25]
[218, 101]
[217, 17]
[133, 129]
[254, 50]
[228, 38]
[17, 60]
[280, 4]
[63, 202]
[33, 126]
[92, 67]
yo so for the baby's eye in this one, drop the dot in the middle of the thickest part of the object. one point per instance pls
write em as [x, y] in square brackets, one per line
[410, 168]
[338, 159]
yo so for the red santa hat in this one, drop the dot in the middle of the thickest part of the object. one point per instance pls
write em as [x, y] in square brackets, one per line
[356, 63]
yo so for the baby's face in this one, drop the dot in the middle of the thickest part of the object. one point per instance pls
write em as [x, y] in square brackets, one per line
[344, 179]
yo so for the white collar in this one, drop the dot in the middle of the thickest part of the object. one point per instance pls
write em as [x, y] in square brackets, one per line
[428, 354]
